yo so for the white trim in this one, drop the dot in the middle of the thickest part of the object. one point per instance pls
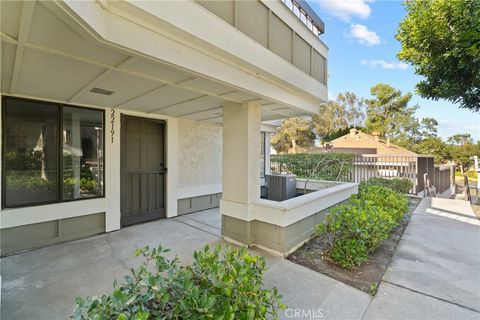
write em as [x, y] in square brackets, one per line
[27, 215]
[289, 211]
[196, 191]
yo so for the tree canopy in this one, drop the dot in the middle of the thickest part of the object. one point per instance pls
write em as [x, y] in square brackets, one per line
[441, 39]
[389, 114]
[294, 135]
[338, 116]
[460, 139]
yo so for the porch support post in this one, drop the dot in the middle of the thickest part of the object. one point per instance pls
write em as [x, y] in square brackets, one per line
[241, 169]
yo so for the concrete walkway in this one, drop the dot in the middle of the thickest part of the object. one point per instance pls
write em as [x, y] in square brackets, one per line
[43, 284]
[435, 273]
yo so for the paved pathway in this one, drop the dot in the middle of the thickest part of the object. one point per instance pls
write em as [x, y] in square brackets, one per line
[435, 273]
[42, 284]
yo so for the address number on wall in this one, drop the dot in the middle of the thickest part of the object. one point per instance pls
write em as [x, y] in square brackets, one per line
[112, 121]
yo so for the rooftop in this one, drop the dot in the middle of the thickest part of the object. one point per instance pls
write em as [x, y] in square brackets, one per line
[359, 142]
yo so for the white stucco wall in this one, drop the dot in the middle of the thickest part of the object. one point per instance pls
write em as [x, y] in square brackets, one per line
[199, 158]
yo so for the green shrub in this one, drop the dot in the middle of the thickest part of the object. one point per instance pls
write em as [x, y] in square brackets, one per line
[333, 165]
[357, 227]
[394, 202]
[213, 287]
[400, 185]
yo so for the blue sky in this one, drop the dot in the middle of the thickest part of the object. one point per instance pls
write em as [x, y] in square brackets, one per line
[361, 37]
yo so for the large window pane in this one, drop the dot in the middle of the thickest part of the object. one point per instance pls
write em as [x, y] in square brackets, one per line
[82, 153]
[31, 152]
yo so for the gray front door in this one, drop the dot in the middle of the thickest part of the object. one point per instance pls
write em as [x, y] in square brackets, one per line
[142, 170]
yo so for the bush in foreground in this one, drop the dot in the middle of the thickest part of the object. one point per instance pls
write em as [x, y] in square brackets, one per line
[400, 185]
[213, 287]
[357, 227]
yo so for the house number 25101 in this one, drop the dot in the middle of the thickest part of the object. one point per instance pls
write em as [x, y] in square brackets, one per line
[112, 121]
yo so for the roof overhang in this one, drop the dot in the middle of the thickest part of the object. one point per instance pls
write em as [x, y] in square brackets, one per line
[60, 51]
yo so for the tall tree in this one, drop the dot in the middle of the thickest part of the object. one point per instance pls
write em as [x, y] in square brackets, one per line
[433, 146]
[295, 134]
[429, 128]
[461, 149]
[354, 107]
[441, 39]
[389, 114]
[460, 139]
[462, 155]
[338, 116]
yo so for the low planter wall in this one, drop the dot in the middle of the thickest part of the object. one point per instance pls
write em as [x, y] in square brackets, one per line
[280, 227]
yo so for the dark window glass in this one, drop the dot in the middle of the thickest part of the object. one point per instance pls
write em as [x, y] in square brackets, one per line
[262, 155]
[31, 153]
[51, 153]
[82, 153]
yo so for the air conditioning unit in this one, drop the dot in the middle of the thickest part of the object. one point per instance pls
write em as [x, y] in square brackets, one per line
[281, 186]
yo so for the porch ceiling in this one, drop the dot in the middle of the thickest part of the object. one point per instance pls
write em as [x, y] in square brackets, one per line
[46, 54]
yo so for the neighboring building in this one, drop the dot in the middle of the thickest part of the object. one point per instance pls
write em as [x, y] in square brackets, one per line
[358, 142]
[377, 158]
[100, 98]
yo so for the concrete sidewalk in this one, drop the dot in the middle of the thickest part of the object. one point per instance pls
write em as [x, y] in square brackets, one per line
[435, 273]
[43, 284]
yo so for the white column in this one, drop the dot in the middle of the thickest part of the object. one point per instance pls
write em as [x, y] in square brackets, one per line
[172, 166]
[112, 170]
[241, 154]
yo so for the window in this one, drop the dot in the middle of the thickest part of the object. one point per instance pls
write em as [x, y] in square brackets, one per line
[262, 154]
[51, 153]
[82, 153]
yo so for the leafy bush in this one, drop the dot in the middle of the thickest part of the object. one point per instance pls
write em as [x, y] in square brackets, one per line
[395, 203]
[400, 185]
[333, 165]
[213, 287]
[357, 227]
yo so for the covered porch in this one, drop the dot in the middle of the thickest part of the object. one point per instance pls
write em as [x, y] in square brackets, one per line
[135, 62]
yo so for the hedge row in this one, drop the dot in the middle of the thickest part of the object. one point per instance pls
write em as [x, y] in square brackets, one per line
[358, 227]
[322, 166]
[400, 185]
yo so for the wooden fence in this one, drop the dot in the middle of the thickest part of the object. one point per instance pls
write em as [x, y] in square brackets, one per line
[409, 167]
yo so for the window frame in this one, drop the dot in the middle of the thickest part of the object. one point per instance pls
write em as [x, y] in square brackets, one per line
[59, 177]
[263, 148]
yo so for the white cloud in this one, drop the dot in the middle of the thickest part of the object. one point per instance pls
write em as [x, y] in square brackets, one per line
[346, 9]
[364, 36]
[447, 128]
[384, 64]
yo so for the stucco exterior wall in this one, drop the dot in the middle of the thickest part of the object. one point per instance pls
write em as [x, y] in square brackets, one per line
[199, 158]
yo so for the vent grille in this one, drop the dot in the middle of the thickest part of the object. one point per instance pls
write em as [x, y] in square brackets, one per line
[102, 91]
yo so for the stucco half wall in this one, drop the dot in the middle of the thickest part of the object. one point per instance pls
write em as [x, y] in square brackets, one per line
[199, 165]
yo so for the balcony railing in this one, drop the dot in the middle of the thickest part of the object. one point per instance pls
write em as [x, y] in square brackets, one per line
[305, 13]
[262, 24]
[367, 166]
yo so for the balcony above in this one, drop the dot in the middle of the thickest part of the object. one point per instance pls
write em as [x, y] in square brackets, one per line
[151, 59]
[288, 28]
